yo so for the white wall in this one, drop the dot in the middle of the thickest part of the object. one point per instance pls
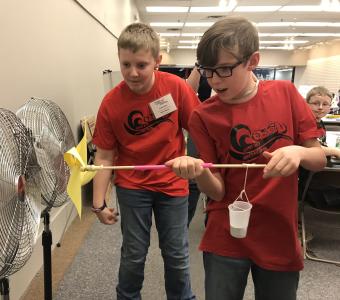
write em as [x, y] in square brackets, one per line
[322, 68]
[56, 50]
[111, 16]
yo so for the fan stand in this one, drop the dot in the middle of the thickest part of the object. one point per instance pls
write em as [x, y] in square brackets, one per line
[47, 243]
[4, 288]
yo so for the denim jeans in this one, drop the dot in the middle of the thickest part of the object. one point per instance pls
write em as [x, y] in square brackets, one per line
[171, 215]
[226, 278]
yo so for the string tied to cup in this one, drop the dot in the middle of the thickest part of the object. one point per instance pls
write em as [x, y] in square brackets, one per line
[243, 194]
[239, 212]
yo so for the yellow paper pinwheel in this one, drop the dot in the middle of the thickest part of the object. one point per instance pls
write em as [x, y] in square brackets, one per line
[76, 158]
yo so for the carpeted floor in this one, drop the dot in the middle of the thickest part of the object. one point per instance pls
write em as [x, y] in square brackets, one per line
[63, 256]
[93, 271]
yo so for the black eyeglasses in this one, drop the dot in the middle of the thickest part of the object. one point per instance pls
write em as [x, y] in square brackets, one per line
[222, 72]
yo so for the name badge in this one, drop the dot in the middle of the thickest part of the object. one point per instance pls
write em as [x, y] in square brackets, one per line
[163, 106]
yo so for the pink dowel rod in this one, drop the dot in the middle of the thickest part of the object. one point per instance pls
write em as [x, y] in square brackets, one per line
[161, 167]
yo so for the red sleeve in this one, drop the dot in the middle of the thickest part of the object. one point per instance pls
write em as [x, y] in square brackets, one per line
[103, 136]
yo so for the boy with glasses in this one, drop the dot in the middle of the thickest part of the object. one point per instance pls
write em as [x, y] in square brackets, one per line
[248, 121]
[320, 101]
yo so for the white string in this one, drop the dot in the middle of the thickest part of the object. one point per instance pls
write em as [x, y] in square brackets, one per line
[245, 179]
[243, 192]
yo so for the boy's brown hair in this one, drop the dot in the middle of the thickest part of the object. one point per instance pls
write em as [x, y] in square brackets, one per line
[139, 36]
[320, 91]
[237, 35]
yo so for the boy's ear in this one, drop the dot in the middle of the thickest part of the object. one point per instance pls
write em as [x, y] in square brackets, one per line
[254, 61]
[158, 61]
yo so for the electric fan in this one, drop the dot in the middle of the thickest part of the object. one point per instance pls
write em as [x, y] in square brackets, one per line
[19, 196]
[52, 138]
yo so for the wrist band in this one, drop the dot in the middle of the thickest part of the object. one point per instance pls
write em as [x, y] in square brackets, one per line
[98, 209]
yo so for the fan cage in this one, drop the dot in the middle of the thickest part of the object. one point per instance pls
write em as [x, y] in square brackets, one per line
[52, 138]
[19, 209]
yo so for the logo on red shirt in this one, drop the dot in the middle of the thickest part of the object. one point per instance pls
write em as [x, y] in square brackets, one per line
[247, 145]
[138, 124]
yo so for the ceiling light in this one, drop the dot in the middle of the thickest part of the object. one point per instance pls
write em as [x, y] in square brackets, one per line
[303, 8]
[191, 34]
[277, 48]
[166, 24]
[189, 41]
[319, 34]
[260, 24]
[330, 5]
[284, 42]
[289, 34]
[298, 24]
[228, 4]
[187, 47]
[258, 8]
[198, 24]
[325, 5]
[222, 3]
[279, 34]
[215, 9]
[169, 34]
[167, 9]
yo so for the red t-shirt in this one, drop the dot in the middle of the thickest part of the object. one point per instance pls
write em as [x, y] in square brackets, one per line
[230, 134]
[126, 124]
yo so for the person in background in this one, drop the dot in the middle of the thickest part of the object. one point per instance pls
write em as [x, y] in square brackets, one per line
[140, 122]
[247, 121]
[201, 86]
[320, 101]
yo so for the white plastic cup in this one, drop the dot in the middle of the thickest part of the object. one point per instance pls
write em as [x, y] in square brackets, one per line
[239, 213]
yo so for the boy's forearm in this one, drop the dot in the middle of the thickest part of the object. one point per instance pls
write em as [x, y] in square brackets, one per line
[313, 159]
[211, 184]
[100, 184]
[194, 79]
[102, 178]
[331, 151]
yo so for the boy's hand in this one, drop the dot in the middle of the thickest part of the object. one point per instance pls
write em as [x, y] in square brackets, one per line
[282, 162]
[186, 167]
[108, 216]
[336, 153]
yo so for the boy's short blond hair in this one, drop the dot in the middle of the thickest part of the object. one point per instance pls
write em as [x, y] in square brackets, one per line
[320, 91]
[139, 36]
[234, 34]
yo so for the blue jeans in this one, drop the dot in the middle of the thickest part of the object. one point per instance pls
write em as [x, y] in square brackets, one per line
[171, 215]
[226, 278]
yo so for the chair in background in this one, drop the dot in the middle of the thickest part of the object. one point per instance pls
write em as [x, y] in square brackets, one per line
[329, 177]
[90, 122]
